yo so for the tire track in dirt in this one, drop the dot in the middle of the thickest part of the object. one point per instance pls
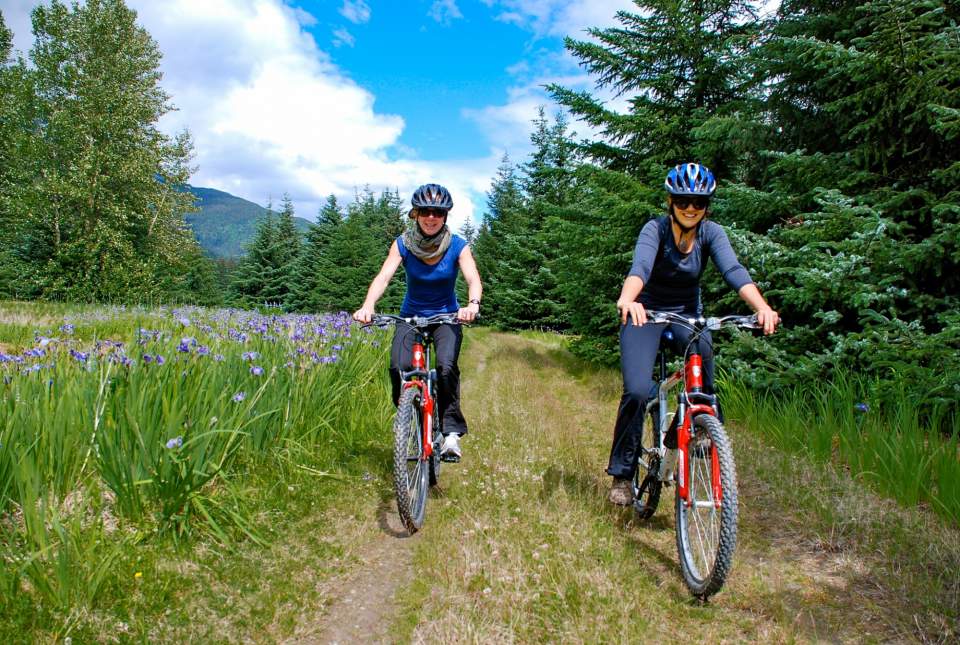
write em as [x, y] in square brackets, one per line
[361, 605]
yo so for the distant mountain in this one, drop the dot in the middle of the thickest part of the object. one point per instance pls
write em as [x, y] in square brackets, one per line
[226, 222]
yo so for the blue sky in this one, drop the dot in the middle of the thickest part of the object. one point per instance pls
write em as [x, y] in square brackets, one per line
[314, 97]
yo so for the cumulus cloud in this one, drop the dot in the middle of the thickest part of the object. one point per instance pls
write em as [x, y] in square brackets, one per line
[356, 11]
[559, 17]
[445, 11]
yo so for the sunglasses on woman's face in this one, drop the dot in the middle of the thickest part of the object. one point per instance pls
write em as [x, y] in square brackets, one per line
[683, 202]
[431, 212]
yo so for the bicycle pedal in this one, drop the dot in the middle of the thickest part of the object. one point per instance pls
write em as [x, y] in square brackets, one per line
[450, 459]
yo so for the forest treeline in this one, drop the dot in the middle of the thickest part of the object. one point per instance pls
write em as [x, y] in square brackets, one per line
[833, 128]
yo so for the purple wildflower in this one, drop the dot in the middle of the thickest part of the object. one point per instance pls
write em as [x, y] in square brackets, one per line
[147, 358]
[249, 356]
[80, 356]
[218, 357]
[160, 359]
[256, 370]
[184, 321]
[862, 408]
[176, 442]
[288, 364]
[67, 328]
[203, 350]
[239, 396]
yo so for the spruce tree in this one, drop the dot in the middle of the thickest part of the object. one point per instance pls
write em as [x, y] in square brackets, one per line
[314, 274]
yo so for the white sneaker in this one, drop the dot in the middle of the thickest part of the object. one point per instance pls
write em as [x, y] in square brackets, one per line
[451, 447]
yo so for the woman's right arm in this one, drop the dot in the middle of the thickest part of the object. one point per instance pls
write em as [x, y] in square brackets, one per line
[379, 284]
[644, 256]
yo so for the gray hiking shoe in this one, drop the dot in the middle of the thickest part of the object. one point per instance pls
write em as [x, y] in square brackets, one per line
[621, 493]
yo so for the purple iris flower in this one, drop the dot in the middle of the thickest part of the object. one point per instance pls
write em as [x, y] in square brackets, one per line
[147, 358]
[239, 396]
[176, 442]
[256, 370]
[249, 356]
[218, 358]
[67, 328]
[203, 350]
[862, 408]
[160, 359]
[80, 356]
[184, 321]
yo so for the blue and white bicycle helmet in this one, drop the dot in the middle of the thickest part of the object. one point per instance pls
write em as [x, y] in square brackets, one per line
[431, 196]
[690, 179]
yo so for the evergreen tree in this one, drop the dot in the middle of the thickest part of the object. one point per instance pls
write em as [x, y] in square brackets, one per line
[314, 274]
[681, 62]
[257, 270]
[285, 254]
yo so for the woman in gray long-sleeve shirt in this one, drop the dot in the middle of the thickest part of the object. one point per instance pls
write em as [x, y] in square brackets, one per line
[668, 261]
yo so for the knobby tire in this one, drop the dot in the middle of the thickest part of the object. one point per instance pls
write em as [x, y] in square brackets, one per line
[410, 477]
[707, 536]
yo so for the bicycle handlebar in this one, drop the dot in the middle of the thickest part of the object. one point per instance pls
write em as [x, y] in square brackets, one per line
[382, 320]
[700, 323]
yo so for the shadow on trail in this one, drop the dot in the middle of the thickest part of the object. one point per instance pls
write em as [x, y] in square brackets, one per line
[389, 520]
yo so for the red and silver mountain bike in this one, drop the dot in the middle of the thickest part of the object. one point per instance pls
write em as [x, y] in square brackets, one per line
[417, 431]
[699, 460]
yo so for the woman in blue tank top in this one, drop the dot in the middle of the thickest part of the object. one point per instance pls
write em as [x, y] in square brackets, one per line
[431, 256]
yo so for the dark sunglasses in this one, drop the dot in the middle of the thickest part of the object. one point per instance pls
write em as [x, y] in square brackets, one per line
[683, 202]
[431, 212]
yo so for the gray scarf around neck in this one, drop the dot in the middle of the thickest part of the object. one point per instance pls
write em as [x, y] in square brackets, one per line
[427, 248]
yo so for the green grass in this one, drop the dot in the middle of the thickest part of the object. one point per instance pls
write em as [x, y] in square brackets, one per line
[885, 445]
[113, 463]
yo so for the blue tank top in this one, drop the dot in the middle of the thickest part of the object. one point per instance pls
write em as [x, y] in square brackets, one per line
[431, 288]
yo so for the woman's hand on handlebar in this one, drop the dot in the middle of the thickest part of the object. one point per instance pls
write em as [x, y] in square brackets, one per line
[768, 319]
[469, 313]
[636, 312]
[364, 314]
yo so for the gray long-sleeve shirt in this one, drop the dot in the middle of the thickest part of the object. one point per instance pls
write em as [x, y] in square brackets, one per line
[671, 279]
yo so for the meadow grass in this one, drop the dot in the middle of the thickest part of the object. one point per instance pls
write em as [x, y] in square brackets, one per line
[126, 433]
[884, 445]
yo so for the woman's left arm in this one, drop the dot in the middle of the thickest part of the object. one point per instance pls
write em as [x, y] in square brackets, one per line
[468, 266]
[737, 277]
[766, 316]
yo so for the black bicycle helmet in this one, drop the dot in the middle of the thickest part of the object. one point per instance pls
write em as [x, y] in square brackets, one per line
[431, 196]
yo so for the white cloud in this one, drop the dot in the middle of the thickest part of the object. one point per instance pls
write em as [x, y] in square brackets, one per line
[270, 113]
[445, 11]
[560, 17]
[356, 11]
[343, 37]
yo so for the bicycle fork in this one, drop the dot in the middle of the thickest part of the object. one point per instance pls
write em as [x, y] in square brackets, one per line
[420, 365]
[694, 383]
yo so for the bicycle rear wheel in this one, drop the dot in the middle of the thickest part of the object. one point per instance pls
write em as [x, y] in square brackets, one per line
[646, 477]
[409, 469]
[707, 524]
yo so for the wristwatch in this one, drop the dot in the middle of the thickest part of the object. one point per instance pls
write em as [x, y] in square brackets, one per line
[475, 302]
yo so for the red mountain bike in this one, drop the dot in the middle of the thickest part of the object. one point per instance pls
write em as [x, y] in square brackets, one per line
[704, 472]
[417, 433]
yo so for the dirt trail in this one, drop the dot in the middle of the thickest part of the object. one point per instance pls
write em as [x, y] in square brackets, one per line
[533, 553]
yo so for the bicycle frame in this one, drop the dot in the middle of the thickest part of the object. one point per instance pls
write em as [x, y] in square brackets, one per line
[421, 377]
[691, 401]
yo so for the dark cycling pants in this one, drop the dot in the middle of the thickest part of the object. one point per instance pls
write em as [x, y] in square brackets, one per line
[446, 345]
[638, 353]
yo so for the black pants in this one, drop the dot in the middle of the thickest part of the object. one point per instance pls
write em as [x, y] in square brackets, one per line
[638, 353]
[447, 340]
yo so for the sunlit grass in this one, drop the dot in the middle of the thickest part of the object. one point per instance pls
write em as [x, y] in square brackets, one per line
[885, 445]
[121, 427]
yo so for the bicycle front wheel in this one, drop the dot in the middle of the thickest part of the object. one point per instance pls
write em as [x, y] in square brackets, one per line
[707, 521]
[409, 469]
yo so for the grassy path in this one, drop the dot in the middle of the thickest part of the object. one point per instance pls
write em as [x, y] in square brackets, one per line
[521, 546]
